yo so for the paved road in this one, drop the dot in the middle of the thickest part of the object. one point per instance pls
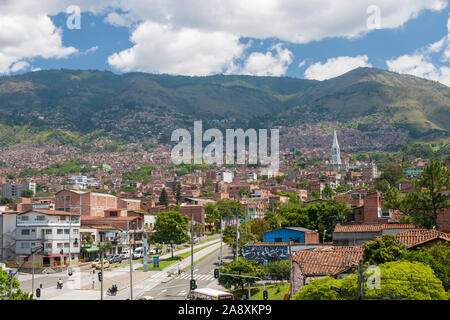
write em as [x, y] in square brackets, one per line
[178, 288]
[79, 285]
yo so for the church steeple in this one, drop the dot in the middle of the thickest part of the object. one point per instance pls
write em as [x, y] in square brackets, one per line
[335, 151]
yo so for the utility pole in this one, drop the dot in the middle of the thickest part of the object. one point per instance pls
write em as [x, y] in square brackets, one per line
[237, 238]
[32, 277]
[290, 270]
[102, 277]
[192, 247]
[221, 239]
[360, 281]
[131, 260]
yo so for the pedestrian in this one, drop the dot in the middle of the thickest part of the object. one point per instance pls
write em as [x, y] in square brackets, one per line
[93, 280]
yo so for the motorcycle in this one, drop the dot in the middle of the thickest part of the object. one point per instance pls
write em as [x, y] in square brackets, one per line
[59, 285]
[113, 290]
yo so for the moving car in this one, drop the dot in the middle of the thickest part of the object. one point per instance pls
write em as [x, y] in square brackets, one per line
[97, 265]
[114, 258]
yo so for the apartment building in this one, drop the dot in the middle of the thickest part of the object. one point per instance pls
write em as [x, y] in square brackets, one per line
[57, 231]
[10, 190]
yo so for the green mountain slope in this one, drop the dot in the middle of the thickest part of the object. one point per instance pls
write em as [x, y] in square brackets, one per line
[133, 105]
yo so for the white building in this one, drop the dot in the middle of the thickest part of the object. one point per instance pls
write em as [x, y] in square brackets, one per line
[225, 176]
[82, 181]
[13, 191]
[57, 231]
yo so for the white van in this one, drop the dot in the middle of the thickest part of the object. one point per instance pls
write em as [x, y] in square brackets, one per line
[125, 254]
[138, 253]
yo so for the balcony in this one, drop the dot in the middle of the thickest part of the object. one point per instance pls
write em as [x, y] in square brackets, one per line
[45, 223]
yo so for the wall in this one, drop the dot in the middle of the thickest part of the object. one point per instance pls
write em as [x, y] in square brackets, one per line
[285, 234]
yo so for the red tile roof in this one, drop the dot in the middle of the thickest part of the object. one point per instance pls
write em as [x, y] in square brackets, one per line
[328, 260]
[52, 212]
[371, 227]
[414, 238]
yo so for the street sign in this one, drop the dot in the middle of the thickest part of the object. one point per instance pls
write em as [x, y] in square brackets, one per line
[155, 262]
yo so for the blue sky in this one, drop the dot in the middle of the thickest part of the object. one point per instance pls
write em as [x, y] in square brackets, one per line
[122, 38]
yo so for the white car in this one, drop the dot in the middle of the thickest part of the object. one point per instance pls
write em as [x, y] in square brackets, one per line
[138, 253]
[125, 254]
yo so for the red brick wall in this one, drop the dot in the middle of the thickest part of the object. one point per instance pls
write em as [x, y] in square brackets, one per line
[371, 205]
[443, 220]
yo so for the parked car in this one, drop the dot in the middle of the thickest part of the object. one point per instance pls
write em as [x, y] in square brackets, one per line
[114, 258]
[153, 251]
[138, 253]
[97, 265]
[125, 254]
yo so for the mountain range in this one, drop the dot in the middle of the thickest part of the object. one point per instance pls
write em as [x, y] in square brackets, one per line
[78, 106]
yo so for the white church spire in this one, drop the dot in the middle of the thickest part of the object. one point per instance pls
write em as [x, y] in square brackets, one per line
[335, 151]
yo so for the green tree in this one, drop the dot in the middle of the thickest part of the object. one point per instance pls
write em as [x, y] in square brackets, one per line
[229, 209]
[4, 200]
[437, 257]
[327, 191]
[27, 193]
[423, 206]
[163, 198]
[383, 250]
[258, 227]
[170, 228]
[229, 237]
[433, 182]
[274, 220]
[395, 282]
[241, 267]
[362, 157]
[178, 194]
[392, 174]
[16, 293]
[279, 270]
[320, 289]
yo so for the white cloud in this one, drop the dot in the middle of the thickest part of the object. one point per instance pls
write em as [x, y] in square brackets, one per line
[288, 20]
[120, 20]
[266, 64]
[163, 49]
[418, 65]
[292, 21]
[335, 67]
[26, 37]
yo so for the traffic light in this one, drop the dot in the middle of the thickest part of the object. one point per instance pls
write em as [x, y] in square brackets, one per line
[265, 295]
[216, 273]
[193, 285]
[38, 292]
[100, 276]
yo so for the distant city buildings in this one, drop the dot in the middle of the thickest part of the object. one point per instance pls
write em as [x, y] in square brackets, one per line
[336, 162]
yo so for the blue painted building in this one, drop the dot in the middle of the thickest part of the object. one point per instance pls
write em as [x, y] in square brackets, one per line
[296, 234]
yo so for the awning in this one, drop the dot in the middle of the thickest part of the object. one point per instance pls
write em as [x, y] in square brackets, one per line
[90, 249]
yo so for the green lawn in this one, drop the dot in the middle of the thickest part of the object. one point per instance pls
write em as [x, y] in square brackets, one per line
[275, 291]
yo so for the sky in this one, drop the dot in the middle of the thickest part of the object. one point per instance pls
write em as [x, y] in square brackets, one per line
[314, 39]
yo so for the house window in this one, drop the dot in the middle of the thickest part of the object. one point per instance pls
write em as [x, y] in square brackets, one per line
[62, 218]
[25, 232]
[66, 245]
[59, 245]
[113, 213]
[48, 245]
[66, 231]
[59, 231]
[75, 231]
[75, 244]
[24, 218]
[25, 245]
[40, 218]
[48, 231]
[278, 239]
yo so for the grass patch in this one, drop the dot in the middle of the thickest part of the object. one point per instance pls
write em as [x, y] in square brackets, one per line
[275, 291]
